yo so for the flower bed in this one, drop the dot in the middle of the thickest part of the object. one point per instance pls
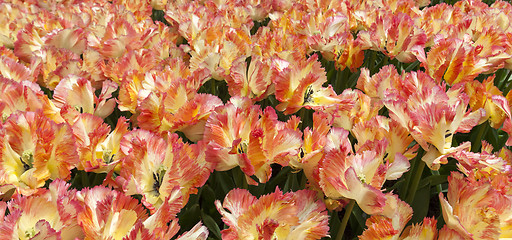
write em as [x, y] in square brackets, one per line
[255, 119]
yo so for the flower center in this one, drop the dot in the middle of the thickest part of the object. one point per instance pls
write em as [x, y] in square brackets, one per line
[27, 159]
[308, 94]
[30, 233]
[158, 176]
[242, 147]
[108, 157]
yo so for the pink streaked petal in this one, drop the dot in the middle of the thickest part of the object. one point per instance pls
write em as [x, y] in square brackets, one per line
[472, 207]
[157, 223]
[331, 179]
[16, 96]
[104, 109]
[486, 162]
[399, 166]
[268, 213]
[338, 138]
[151, 114]
[368, 165]
[433, 158]
[72, 39]
[245, 165]
[237, 201]
[452, 221]
[370, 199]
[220, 157]
[28, 42]
[507, 127]
[107, 212]
[91, 66]
[75, 91]
[199, 232]
[256, 154]
[382, 230]
[390, 222]
[237, 81]
[90, 131]
[11, 69]
[55, 64]
[427, 230]
[61, 155]
[398, 211]
[192, 116]
[87, 127]
[104, 103]
[46, 232]
[470, 120]
[313, 219]
[8, 224]
[139, 232]
[260, 76]
[227, 132]
[502, 103]
[447, 233]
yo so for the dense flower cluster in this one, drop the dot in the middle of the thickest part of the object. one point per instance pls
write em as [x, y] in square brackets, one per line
[99, 88]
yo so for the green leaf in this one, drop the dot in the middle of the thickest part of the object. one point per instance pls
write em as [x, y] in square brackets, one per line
[295, 183]
[98, 178]
[498, 142]
[477, 136]
[420, 204]
[412, 66]
[361, 217]
[396, 184]
[292, 184]
[239, 178]
[433, 180]
[211, 225]
[85, 179]
[278, 180]
[257, 190]
[334, 223]
[188, 217]
[207, 196]
[225, 182]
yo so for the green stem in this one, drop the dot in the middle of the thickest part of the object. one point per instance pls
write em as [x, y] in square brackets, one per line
[244, 183]
[239, 178]
[302, 115]
[385, 61]
[500, 78]
[291, 182]
[439, 187]
[509, 86]
[345, 76]
[478, 140]
[303, 180]
[413, 188]
[212, 86]
[337, 83]
[72, 183]
[371, 63]
[344, 221]
[331, 71]
[404, 189]
[413, 66]
[411, 173]
[96, 179]
[85, 179]
[505, 80]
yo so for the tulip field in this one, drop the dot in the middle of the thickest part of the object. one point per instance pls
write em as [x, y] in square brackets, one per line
[255, 119]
